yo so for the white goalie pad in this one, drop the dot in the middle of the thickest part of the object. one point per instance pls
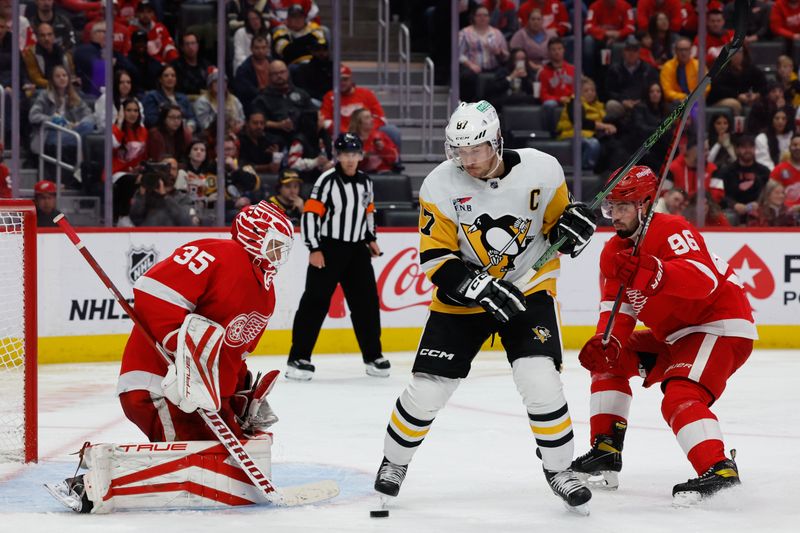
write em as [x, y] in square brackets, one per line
[196, 365]
[171, 475]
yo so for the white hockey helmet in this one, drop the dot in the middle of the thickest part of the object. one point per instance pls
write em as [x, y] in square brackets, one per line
[472, 124]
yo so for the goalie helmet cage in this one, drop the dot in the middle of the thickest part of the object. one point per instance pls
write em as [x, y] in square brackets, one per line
[18, 360]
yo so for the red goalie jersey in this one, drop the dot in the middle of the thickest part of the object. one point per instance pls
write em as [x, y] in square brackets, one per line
[214, 278]
[700, 291]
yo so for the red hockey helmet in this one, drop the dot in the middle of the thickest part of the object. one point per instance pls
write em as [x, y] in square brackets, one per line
[266, 234]
[638, 185]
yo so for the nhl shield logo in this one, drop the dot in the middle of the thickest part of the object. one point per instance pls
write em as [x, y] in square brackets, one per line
[139, 261]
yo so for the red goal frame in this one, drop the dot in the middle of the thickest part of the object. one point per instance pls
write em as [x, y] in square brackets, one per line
[31, 433]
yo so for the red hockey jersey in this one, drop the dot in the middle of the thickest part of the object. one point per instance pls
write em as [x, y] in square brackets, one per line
[554, 15]
[700, 291]
[789, 176]
[214, 278]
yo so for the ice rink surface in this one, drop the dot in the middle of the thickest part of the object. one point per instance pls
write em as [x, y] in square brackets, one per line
[476, 470]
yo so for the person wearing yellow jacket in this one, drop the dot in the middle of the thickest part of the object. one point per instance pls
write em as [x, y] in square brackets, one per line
[679, 75]
[593, 125]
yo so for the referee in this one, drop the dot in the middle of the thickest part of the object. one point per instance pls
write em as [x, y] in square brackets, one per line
[338, 226]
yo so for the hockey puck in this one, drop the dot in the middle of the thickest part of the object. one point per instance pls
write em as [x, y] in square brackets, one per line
[382, 513]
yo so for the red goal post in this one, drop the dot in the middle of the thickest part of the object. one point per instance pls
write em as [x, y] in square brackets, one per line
[18, 337]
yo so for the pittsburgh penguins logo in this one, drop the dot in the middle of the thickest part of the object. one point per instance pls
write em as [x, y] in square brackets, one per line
[542, 333]
[497, 242]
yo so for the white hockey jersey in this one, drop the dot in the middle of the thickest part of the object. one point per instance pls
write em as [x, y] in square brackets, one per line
[499, 223]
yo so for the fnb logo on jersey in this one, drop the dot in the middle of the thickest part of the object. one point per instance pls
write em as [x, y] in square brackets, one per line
[462, 204]
[437, 353]
[753, 273]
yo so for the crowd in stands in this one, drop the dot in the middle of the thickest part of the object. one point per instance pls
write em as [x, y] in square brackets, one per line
[278, 104]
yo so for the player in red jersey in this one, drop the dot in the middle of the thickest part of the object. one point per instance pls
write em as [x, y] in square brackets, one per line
[228, 283]
[700, 331]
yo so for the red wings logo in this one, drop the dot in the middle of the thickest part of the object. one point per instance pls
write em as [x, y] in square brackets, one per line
[753, 273]
[244, 328]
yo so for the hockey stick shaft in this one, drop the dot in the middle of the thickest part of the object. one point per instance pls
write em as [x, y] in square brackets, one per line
[730, 49]
[741, 8]
[214, 422]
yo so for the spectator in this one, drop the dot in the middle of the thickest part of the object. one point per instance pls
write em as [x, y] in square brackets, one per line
[166, 93]
[556, 77]
[205, 107]
[738, 85]
[310, 152]
[196, 163]
[533, 38]
[254, 24]
[784, 20]
[61, 105]
[788, 79]
[283, 105]
[683, 172]
[237, 11]
[379, 152]
[626, 82]
[647, 117]
[756, 22]
[129, 141]
[126, 10]
[607, 22]
[645, 9]
[292, 42]
[664, 40]
[243, 185]
[143, 68]
[279, 10]
[41, 12]
[252, 77]
[40, 58]
[714, 216]
[764, 107]
[315, 76]
[89, 64]
[679, 75]
[26, 37]
[744, 179]
[121, 36]
[787, 173]
[352, 98]
[519, 80]
[772, 146]
[256, 148]
[722, 152]
[593, 115]
[170, 137]
[160, 45]
[688, 17]
[44, 197]
[503, 16]
[482, 50]
[158, 203]
[5, 176]
[123, 89]
[554, 14]
[287, 195]
[191, 69]
[772, 210]
[91, 9]
[717, 36]
[646, 50]
[673, 202]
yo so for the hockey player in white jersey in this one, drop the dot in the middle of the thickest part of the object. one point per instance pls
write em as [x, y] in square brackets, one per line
[486, 216]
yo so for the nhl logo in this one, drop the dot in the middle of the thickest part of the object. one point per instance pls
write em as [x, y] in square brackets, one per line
[139, 261]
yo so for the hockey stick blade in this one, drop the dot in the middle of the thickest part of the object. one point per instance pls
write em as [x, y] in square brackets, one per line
[742, 7]
[308, 493]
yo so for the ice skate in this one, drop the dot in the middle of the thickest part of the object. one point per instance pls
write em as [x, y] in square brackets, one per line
[568, 487]
[379, 367]
[390, 477]
[71, 493]
[299, 370]
[599, 467]
[722, 475]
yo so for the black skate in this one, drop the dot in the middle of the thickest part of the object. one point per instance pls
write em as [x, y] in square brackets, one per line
[599, 467]
[722, 475]
[379, 367]
[72, 494]
[390, 477]
[299, 370]
[568, 487]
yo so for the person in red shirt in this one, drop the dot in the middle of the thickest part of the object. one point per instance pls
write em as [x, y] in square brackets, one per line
[691, 353]
[784, 19]
[647, 8]
[160, 45]
[5, 176]
[554, 13]
[787, 173]
[688, 17]
[607, 22]
[556, 77]
[717, 36]
[683, 173]
[380, 152]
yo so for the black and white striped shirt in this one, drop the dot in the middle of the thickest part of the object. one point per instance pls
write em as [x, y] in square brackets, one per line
[340, 207]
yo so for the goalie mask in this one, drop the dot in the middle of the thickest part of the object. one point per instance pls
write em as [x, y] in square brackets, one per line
[639, 185]
[266, 234]
[472, 136]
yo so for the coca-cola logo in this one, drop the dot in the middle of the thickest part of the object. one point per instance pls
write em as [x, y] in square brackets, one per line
[753, 273]
[402, 283]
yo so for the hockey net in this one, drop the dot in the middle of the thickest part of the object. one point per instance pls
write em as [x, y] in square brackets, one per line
[18, 435]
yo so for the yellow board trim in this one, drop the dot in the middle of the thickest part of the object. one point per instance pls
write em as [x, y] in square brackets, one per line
[99, 348]
[408, 432]
[552, 430]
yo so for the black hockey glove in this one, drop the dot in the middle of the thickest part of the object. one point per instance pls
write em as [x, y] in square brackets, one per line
[577, 222]
[500, 298]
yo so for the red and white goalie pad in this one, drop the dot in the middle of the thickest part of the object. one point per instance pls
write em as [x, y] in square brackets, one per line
[171, 475]
[193, 381]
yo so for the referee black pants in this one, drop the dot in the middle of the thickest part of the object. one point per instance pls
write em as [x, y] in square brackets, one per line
[349, 264]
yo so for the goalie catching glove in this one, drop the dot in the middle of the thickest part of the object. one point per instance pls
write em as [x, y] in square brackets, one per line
[577, 223]
[253, 412]
[498, 297]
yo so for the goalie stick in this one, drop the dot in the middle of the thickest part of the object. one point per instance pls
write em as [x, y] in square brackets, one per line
[740, 18]
[290, 496]
[730, 49]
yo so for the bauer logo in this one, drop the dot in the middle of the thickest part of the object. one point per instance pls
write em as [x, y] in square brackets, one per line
[139, 261]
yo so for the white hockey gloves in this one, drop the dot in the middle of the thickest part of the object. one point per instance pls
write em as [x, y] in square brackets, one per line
[577, 223]
[192, 382]
[498, 297]
[250, 405]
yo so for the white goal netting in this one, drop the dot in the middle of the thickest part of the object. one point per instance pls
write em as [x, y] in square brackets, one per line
[12, 335]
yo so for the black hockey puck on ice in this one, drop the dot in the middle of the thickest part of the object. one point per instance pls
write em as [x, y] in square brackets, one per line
[382, 513]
